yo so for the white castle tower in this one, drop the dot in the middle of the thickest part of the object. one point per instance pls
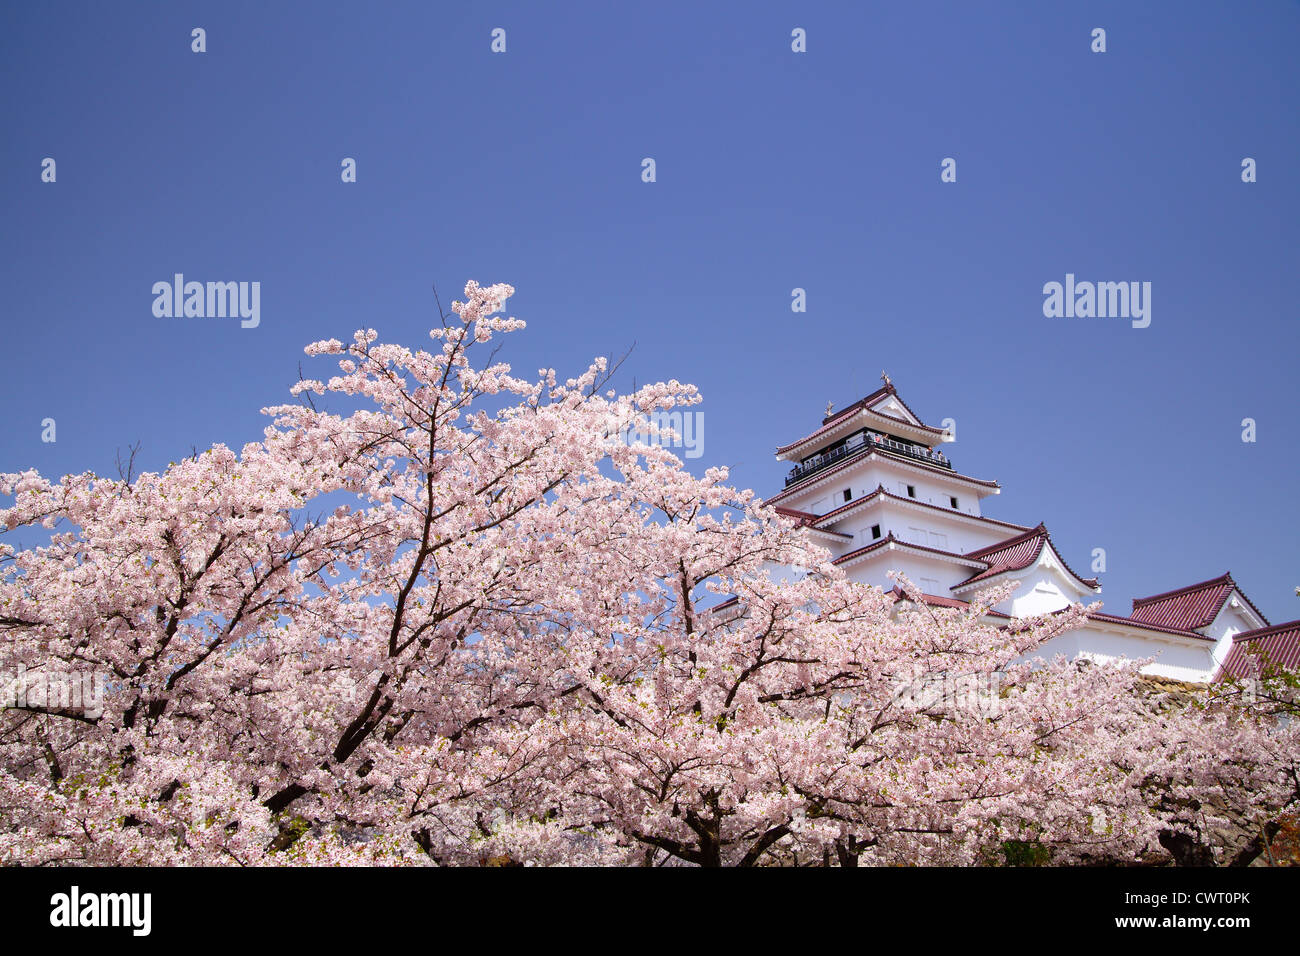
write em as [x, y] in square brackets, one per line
[873, 485]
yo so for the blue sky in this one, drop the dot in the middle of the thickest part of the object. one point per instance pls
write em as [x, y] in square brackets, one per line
[775, 170]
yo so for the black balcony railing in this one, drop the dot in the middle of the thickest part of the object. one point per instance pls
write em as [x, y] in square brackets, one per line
[870, 440]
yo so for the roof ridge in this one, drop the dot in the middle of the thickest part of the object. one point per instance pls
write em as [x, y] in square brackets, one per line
[1039, 530]
[782, 509]
[890, 537]
[862, 403]
[1091, 582]
[851, 504]
[1146, 625]
[908, 408]
[1267, 631]
[881, 490]
[1044, 539]
[1225, 578]
[1211, 596]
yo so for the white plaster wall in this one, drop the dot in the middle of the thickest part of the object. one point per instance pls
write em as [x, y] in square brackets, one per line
[1229, 622]
[1041, 591]
[940, 530]
[1175, 660]
[917, 568]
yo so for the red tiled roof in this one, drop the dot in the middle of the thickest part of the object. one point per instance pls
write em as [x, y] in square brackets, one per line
[899, 542]
[852, 504]
[1190, 607]
[800, 517]
[1010, 555]
[830, 421]
[1015, 554]
[898, 594]
[1280, 644]
[1129, 622]
[859, 552]
[893, 391]
[805, 519]
[875, 396]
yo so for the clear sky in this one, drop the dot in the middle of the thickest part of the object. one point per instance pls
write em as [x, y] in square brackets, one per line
[775, 170]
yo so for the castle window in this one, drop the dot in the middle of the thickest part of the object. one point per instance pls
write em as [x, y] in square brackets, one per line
[848, 494]
[911, 491]
[875, 531]
[954, 502]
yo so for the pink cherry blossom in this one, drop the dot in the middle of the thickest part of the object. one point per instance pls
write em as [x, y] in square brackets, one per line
[449, 621]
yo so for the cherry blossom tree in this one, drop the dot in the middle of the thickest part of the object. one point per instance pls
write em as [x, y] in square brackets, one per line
[455, 620]
[1222, 764]
[813, 723]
